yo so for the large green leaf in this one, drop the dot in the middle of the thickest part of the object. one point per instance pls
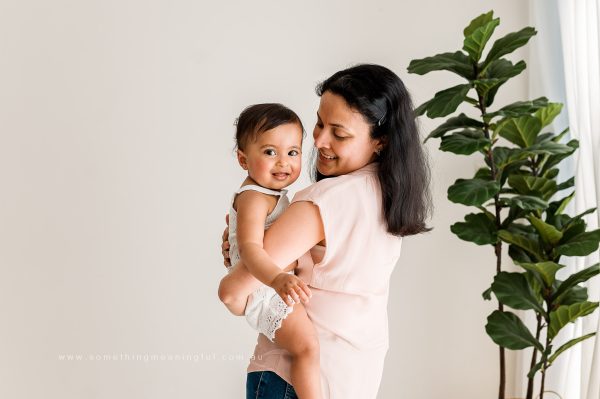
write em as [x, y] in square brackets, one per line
[535, 284]
[567, 345]
[472, 191]
[464, 142]
[566, 184]
[549, 147]
[560, 205]
[566, 314]
[582, 214]
[527, 202]
[421, 109]
[504, 69]
[539, 365]
[457, 62]
[456, 122]
[475, 42]
[504, 156]
[532, 185]
[545, 270]
[573, 295]
[512, 289]
[477, 228]
[558, 137]
[527, 244]
[519, 108]
[508, 331]
[576, 278]
[549, 233]
[483, 173]
[501, 69]
[446, 101]
[521, 131]
[508, 44]
[518, 254]
[484, 86]
[570, 227]
[478, 22]
[581, 245]
[555, 159]
[550, 173]
[547, 114]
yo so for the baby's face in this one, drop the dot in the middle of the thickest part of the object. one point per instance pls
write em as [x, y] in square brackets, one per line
[274, 160]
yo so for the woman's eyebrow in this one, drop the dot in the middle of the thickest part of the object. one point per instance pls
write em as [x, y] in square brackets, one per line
[333, 124]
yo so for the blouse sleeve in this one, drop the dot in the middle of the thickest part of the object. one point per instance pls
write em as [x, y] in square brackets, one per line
[323, 195]
[356, 240]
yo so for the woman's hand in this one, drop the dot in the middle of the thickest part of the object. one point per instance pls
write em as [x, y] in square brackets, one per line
[291, 288]
[225, 244]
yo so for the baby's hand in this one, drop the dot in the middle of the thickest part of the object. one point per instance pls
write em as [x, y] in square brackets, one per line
[291, 288]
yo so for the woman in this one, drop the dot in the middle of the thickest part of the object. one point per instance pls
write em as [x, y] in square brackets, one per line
[346, 230]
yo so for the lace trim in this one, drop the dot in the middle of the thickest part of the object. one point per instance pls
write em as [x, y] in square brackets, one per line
[271, 321]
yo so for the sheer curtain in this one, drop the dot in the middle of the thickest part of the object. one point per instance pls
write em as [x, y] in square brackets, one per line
[565, 66]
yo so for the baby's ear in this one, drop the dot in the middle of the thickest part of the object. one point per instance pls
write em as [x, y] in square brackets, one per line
[242, 159]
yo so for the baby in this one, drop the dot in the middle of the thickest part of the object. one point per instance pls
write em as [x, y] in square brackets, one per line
[269, 147]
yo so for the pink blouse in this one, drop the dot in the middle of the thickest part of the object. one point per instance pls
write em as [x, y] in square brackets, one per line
[349, 280]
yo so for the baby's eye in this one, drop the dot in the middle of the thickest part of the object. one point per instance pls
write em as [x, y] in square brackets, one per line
[270, 152]
[293, 153]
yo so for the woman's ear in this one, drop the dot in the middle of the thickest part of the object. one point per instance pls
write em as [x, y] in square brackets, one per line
[242, 159]
[381, 143]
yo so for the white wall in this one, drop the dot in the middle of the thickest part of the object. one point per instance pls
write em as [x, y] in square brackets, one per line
[116, 171]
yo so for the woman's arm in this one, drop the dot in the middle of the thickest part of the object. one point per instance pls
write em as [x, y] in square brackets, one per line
[296, 231]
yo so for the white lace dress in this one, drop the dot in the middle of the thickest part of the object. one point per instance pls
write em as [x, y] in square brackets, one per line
[265, 310]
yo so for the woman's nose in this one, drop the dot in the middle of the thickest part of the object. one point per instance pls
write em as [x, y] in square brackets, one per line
[320, 139]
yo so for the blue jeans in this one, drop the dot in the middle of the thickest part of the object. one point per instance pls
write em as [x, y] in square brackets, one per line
[268, 385]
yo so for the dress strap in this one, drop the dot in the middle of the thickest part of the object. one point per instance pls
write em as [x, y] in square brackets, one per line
[261, 189]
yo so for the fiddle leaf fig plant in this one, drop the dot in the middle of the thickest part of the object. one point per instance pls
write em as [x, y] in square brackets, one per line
[517, 198]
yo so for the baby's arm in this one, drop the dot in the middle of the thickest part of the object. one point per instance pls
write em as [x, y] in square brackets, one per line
[252, 211]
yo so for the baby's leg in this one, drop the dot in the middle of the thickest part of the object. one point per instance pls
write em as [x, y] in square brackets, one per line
[236, 287]
[298, 336]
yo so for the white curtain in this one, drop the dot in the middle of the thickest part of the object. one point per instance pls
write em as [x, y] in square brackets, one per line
[568, 67]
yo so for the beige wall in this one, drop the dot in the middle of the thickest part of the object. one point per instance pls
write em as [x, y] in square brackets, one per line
[116, 171]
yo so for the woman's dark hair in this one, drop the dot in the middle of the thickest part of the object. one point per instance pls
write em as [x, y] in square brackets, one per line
[259, 118]
[380, 96]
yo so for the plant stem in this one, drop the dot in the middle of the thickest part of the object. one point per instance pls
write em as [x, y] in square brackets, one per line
[545, 355]
[531, 380]
[541, 395]
[498, 246]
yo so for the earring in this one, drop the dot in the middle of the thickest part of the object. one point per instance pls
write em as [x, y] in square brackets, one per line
[378, 151]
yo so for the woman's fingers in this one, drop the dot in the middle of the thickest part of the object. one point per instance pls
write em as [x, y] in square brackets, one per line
[295, 297]
[301, 295]
[287, 299]
[305, 289]
[225, 236]
[297, 291]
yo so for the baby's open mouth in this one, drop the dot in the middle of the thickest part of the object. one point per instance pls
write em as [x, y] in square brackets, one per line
[280, 175]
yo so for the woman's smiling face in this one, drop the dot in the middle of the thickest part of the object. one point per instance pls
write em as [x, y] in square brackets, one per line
[342, 137]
